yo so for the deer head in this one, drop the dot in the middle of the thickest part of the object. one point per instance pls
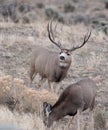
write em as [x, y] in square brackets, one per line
[65, 54]
[47, 109]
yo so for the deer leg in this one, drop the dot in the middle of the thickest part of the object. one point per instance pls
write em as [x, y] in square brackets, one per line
[91, 115]
[32, 74]
[41, 82]
[50, 87]
[31, 78]
[70, 121]
[79, 119]
[58, 88]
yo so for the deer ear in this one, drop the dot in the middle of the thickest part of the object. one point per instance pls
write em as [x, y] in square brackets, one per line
[47, 108]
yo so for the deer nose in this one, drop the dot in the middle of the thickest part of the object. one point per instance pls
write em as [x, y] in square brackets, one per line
[62, 57]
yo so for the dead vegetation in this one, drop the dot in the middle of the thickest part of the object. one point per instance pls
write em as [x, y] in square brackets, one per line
[15, 50]
[17, 96]
[18, 40]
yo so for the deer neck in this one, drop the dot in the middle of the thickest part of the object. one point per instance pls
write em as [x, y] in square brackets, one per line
[55, 115]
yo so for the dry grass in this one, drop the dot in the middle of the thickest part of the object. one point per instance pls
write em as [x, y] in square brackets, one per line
[29, 121]
[27, 114]
[24, 121]
[29, 100]
[88, 61]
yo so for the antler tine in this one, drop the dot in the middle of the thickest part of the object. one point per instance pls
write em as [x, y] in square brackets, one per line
[51, 35]
[86, 38]
[51, 30]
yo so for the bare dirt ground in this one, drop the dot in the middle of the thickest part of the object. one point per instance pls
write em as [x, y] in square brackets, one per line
[18, 40]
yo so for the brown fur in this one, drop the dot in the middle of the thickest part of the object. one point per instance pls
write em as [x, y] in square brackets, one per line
[52, 65]
[46, 63]
[80, 95]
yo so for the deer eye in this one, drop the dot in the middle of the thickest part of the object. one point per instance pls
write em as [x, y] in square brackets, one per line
[68, 54]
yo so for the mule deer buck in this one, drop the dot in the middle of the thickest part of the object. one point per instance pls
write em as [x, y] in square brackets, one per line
[50, 65]
[75, 98]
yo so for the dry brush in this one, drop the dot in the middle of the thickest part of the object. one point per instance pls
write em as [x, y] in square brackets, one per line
[16, 95]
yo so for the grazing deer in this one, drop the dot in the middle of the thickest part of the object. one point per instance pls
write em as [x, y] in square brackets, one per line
[75, 98]
[52, 65]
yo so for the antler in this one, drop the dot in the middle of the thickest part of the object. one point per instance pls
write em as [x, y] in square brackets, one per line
[86, 38]
[51, 35]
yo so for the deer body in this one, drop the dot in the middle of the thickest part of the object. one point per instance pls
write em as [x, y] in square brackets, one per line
[52, 65]
[48, 64]
[78, 96]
